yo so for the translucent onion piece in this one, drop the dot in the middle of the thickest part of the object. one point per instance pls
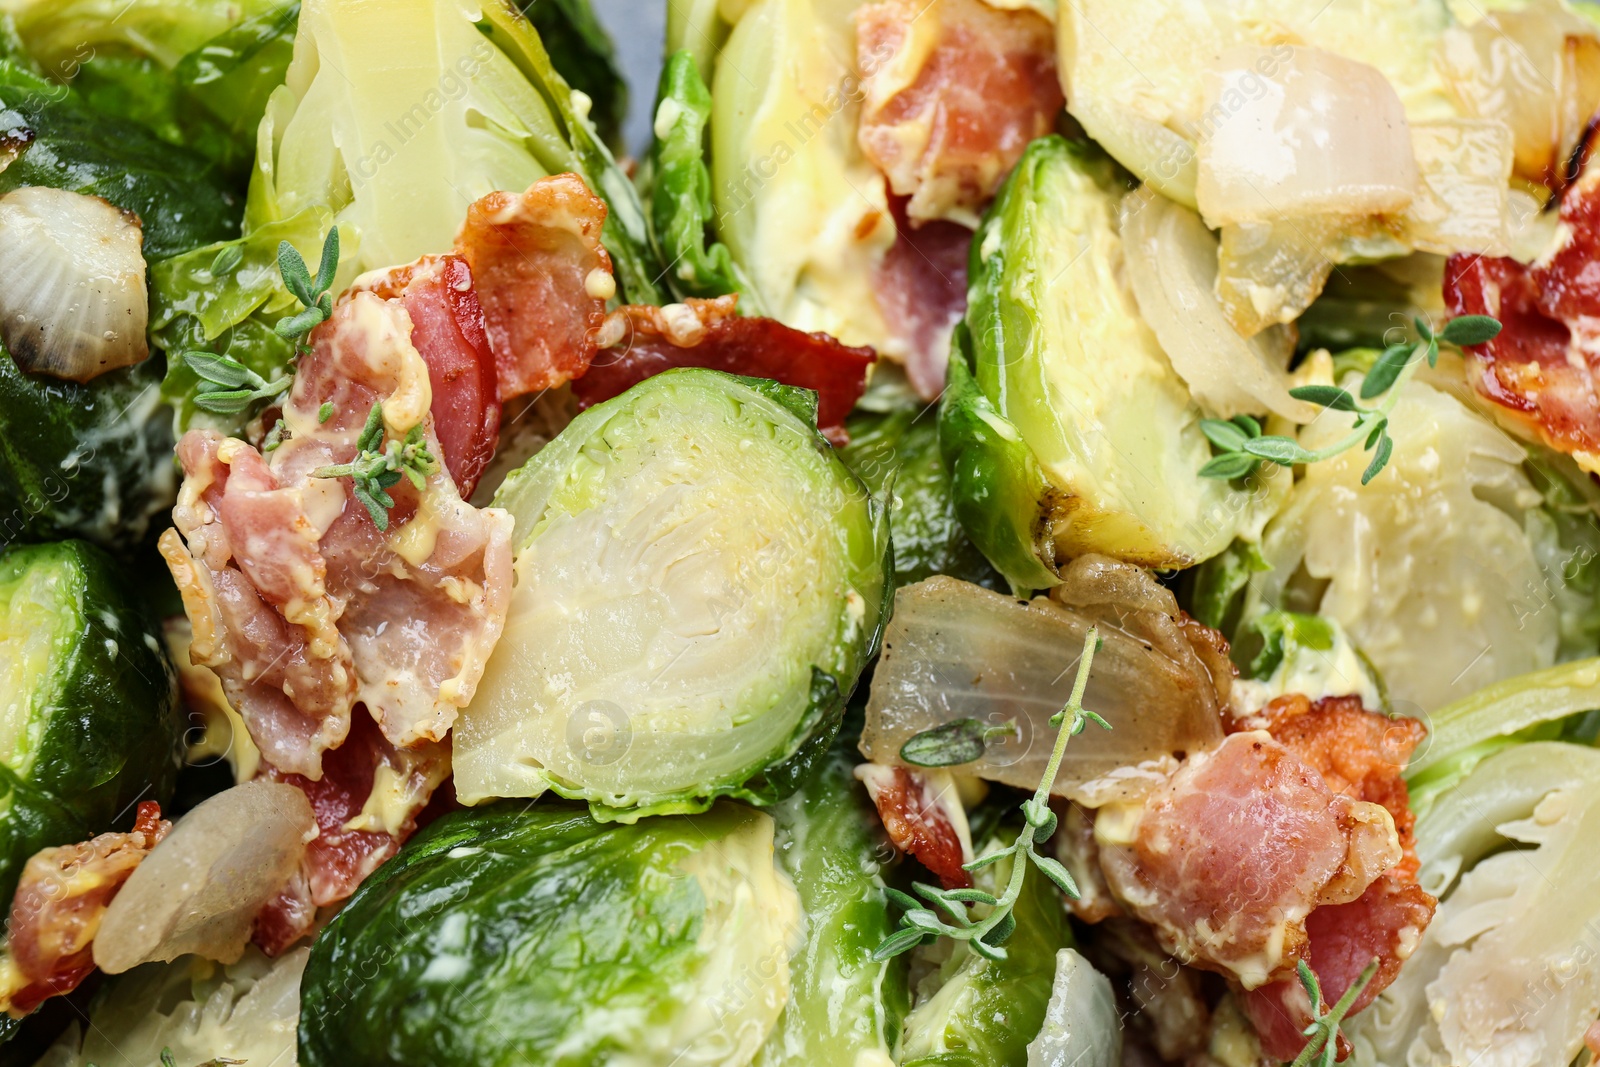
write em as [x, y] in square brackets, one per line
[1463, 203]
[201, 888]
[1535, 70]
[72, 292]
[1082, 1025]
[954, 650]
[1172, 264]
[1310, 133]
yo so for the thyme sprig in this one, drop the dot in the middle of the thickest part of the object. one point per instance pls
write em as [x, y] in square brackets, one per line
[228, 387]
[954, 743]
[1323, 1048]
[988, 933]
[313, 293]
[1241, 447]
[378, 468]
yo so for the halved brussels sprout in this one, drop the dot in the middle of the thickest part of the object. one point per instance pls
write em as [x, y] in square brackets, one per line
[844, 1006]
[1080, 436]
[516, 935]
[700, 581]
[973, 1012]
[88, 720]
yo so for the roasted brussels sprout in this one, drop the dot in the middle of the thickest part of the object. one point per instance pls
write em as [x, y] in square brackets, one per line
[700, 581]
[93, 722]
[91, 461]
[582, 53]
[844, 1006]
[510, 935]
[897, 454]
[974, 1012]
[1068, 430]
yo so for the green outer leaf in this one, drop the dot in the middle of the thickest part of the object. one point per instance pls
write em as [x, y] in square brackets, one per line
[1281, 632]
[584, 55]
[1219, 581]
[177, 196]
[543, 917]
[896, 453]
[995, 480]
[679, 190]
[104, 727]
[1506, 708]
[91, 461]
[844, 1006]
[626, 235]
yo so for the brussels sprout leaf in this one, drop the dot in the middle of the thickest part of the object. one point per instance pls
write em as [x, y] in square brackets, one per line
[1239, 452]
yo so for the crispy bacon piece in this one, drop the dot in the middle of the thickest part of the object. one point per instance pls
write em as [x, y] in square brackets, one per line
[916, 812]
[447, 330]
[954, 91]
[61, 898]
[366, 804]
[1228, 858]
[542, 278]
[1361, 754]
[1539, 373]
[921, 286]
[298, 602]
[642, 341]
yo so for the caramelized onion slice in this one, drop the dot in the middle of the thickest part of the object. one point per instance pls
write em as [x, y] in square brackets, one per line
[956, 651]
[201, 888]
[72, 293]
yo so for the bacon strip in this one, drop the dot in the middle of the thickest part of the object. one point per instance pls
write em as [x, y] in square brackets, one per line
[954, 91]
[542, 278]
[916, 813]
[1361, 754]
[1229, 857]
[642, 341]
[921, 286]
[298, 602]
[61, 898]
[366, 804]
[1538, 374]
[447, 330]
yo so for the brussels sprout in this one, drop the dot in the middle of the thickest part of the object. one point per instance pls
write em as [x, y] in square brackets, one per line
[91, 460]
[245, 1012]
[983, 1013]
[195, 74]
[1083, 1025]
[844, 1006]
[584, 56]
[1074, 434]
[799, 206]
[700, 581]
[896, 453]
[679, 189]
[71, 146]
[1437, 570]
[508, 935]
[93, 723]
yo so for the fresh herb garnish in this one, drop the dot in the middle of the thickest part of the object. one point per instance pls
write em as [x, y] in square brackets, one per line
[228, 387]
[275, 437]
[1323, 1048]
[376, 468]
[311, 292]
[986, 935]
[957, 742]
[1241, 447]
[325, 412]
[227, 261]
